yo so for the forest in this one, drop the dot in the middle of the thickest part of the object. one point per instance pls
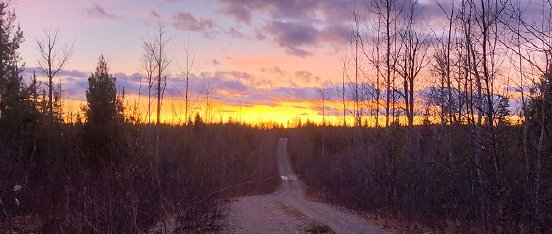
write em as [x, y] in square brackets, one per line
[447, 128]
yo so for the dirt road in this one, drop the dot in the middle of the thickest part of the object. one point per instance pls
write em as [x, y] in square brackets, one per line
[287, 210]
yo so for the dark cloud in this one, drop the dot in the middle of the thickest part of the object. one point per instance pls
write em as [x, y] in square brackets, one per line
[130, 82]
[288, 33]
[236, 87]
[297, 26]
[75, 82]
[335, 34]
[271, 96]
[298, 38]
[290, 9]
[294, 93]
[73, 73]
[220, 83]
[292, 36]
[187, 22]
[300, 26]
[99, 12]
[75, 87]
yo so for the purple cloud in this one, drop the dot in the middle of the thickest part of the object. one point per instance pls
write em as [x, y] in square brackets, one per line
[290, 9]
[306, 76]
[187, 22]
[335, 34]
[99, 12]
[292, 36]
[297, 38]
[235, 33]
[238, 11]
[220, 83]
[245, 85]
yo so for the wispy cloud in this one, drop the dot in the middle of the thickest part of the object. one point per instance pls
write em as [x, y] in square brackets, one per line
[155, 14]
[235, 33]
[275, 70]
[98, 11]
[307, 76]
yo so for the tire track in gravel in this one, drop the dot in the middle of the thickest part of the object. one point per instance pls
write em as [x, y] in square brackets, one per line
[288, 211]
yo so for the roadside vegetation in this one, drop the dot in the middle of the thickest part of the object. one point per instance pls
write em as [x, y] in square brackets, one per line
[420, 182]
[109, 172]
[445, 123]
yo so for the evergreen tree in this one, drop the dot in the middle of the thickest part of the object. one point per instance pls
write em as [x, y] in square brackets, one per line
[104, 112]
[540, 111]
[503, 111]
[17, 111]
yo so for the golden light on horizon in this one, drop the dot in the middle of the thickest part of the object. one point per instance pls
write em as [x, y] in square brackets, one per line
[287, 114]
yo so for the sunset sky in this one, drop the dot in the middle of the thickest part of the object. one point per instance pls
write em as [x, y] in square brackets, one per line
[266, 57]
[267, 53]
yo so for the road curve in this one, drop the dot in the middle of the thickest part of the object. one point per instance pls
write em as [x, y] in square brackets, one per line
[288, 211]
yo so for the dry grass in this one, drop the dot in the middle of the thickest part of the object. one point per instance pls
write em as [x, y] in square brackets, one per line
[313, 226]
[291, 210]
[316, 227]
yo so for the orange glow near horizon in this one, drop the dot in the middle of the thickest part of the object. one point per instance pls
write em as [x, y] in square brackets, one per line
[287, 114]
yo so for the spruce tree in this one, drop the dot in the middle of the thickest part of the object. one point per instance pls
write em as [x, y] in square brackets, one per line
[104, 113]
[17, 110]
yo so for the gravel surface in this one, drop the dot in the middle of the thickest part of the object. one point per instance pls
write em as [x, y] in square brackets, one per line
[288, 211]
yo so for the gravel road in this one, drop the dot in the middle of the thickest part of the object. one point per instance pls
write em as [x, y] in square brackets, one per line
[288, 211]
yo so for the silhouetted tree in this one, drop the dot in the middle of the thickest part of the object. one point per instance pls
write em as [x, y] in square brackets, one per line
[156, 52]
[16, 107]
[53, 57]
[187, 73]
[413, 57]
[104, 112]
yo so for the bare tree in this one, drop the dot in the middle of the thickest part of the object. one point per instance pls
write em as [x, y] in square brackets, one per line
[388, 12]
[374, 58]
[412, 59]
[209, 94]
[149, 66]
[156, 50]
[535, 36]
[53, 57]
[323, 94]
[342, 90]
[187, 73]
[443, 64]
[356, 40]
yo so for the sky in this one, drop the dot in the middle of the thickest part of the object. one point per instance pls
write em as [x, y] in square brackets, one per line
[247, 53]
[260, 60]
